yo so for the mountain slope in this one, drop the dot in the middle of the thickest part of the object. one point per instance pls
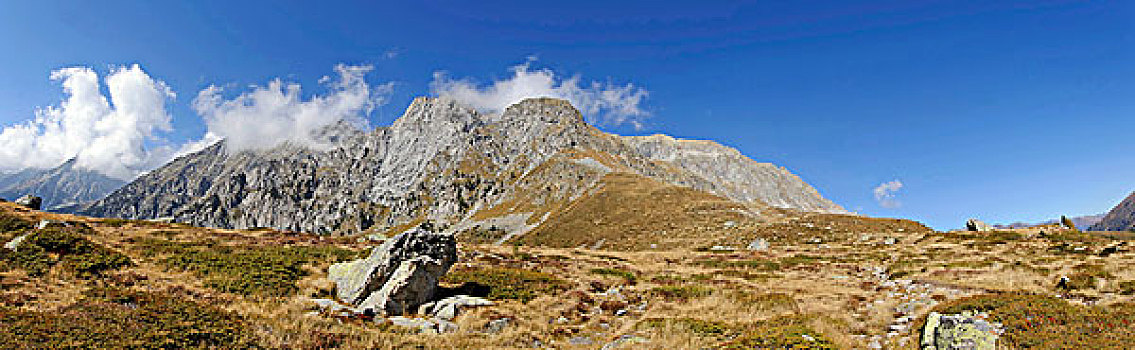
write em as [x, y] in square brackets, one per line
[62, 186]
[1120, 218]
[442, 162]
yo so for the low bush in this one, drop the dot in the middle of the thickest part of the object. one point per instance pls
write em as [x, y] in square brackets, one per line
[66, 247]
[11, 223]
[627, 276]
[118, 318]
[508, 283]
[685, 292]
[780, 333]
[249, 271]
[692, 325]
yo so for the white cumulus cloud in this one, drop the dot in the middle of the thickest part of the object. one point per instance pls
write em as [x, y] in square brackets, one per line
[269, 115]
[104, 133]
[605, 103]
[885, 194]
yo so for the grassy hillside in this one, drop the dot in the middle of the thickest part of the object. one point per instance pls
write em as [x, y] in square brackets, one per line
[827, 281]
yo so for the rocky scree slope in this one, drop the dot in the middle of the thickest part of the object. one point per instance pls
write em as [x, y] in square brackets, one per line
[446, 163]
[1120, 218]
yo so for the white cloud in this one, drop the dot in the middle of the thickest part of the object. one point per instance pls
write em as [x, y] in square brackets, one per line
[104, 133]
[885, 194]
[605, 103]
[269, 115]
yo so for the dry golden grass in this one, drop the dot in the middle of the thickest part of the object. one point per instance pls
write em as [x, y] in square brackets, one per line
[673, 297]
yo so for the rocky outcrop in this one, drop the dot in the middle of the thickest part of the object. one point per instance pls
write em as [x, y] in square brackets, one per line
[398, 276]
[976, 225]
[30, 201]
[966, 331]
[1120, 218]
[442, 162]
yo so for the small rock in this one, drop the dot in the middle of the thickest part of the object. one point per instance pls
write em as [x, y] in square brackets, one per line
[14, 244]
[580, 341]
[497, 325]
[625, 340]
[30, 201]
[421, 324]
[730, 224]
[721, 248]
[890, 241]
[759, 244]
[621, 312]
[448, 308]
[444, 326]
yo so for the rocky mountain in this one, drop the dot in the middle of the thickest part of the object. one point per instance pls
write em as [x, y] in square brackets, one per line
[450, 164]
[1120, 218]
[61, 187]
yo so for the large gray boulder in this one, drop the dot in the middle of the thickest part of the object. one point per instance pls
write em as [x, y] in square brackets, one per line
[976, 225]
[30, 201]
[398, 276]
[964, 331]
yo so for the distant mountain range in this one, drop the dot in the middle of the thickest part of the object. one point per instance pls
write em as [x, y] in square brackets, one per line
[449, 164]
[62, 188]
[1120, 218]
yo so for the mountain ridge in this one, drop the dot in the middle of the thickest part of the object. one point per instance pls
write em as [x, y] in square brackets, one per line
[443, 162]
[1119, 218]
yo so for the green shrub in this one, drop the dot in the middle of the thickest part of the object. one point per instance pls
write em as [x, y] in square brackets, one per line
[1127, 288]
[509, 283]
[251, 271]
[66, 247]
[780, 334]
[627, 276]
[11, 223]
[681, 292]
[693, 325]
[1085, 276]
[116, 318]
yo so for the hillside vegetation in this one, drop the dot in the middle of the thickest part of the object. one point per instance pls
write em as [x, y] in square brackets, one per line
[825, 281]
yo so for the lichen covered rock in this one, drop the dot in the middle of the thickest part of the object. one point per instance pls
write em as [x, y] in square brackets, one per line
[398, 276]
[965, 331]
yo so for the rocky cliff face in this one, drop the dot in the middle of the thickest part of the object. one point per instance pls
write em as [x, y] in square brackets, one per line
[1120, 218]
[60, 187]
[442, 162]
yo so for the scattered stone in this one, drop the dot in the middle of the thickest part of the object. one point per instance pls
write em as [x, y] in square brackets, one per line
[14, 244]
[444, 326]
[976, 225]
[421, 324]
[721, 248]
[398, 276]
[329, 305]
[625, 339]
[498, 325]
[759, 244]
[890, 241]
[730, 224]
[448, 308]
[962, 331]
[30, 201]
[580, 341]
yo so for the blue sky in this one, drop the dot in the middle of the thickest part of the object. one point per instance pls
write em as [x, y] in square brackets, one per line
[1006, 111]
